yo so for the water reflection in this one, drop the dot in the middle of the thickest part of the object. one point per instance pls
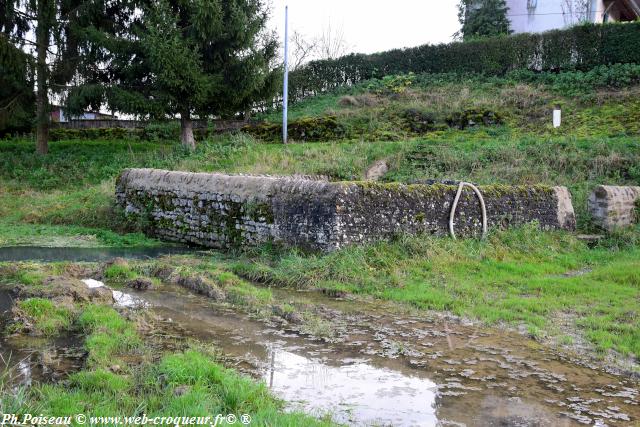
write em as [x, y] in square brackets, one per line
[354, 393]
[44, 254]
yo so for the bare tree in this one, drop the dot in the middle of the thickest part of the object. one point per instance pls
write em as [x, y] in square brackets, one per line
[575, 11]
[303, 49]
[332, 43]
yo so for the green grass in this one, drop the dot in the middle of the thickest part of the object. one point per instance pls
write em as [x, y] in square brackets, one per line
[78, 163]
[147, 382]
[119, 273]
[516, 277]
[525, 106]
[109, 335]
[48, 318]
[66, 198]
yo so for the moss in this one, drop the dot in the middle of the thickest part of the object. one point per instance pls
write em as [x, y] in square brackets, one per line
[259, 212]
[309, 129]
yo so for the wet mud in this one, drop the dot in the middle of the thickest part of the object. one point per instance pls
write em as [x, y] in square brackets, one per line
[389, 368]
[381, 366]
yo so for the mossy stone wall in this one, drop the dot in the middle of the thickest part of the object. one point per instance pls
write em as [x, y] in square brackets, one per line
[223, 211]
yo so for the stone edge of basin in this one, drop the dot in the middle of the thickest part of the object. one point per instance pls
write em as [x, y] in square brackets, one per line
[327, 215]
[613, 207]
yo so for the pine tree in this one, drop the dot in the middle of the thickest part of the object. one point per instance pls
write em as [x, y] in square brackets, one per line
[16, 89]
[187, 58]
[483, 18]
[53, 31]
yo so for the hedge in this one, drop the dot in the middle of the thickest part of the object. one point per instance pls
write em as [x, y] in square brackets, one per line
[578, 48]
[150, 133]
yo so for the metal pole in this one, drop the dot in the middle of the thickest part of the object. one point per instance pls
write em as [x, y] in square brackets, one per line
[285, 94]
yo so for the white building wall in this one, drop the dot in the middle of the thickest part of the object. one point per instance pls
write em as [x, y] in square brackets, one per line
[536, 16]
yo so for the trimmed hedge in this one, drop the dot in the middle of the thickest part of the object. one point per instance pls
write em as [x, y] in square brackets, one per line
[150, 133]
[578, 48]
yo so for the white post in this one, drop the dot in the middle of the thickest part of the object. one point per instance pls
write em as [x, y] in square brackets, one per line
[285, 94]
[557, 117]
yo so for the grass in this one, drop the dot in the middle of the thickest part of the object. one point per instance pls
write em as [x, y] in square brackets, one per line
[516, 277]
[48, 319]
[184, 384]
[109, 335]
[66, 198]
[524, 106]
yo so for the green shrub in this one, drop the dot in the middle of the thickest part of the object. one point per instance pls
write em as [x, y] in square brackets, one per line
[60, 134]
[578, 82]
[418, 121]
[473, 117]
[308, 129]
[166, 131]
[391, 84]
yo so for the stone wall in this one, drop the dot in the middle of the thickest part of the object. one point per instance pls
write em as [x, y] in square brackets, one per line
[222, 211]
[614, 207]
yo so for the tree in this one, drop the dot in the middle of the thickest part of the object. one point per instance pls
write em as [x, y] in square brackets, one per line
[53, 31]
[575, 11]
[483, 18]
[331, 43]
[303, 49]
[187, 58]
[16, 89]
[20, 18]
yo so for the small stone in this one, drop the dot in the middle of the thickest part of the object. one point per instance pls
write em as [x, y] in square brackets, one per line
[140, 283]
[181, 390]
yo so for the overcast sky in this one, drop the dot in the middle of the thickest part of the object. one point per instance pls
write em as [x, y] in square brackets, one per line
[372, 25]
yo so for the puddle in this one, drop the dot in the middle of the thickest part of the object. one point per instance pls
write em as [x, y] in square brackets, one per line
[352, 392]
[389, 369]
[30, 359]
[383, 368]
[48, 254]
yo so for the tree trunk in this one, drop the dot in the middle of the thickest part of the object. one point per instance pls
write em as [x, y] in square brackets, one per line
[42, 95]
[186, 128]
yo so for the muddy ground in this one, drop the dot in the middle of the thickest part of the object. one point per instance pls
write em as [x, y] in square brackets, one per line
[369, 362]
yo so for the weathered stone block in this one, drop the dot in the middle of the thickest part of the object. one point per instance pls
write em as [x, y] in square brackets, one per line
[218, 210]
[614, 207]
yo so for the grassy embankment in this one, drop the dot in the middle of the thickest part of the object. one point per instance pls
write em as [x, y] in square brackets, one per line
[549, 282]
[125, 377]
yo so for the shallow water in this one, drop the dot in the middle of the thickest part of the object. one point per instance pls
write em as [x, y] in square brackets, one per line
[383, 367]
[46, 254]
[389, 369]
[31, 359]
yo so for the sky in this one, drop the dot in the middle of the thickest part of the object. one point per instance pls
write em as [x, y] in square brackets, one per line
[371, 25]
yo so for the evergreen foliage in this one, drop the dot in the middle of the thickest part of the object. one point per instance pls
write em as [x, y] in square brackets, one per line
[188, 58]
[483, 18]
[578, 48]
[16, 89]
